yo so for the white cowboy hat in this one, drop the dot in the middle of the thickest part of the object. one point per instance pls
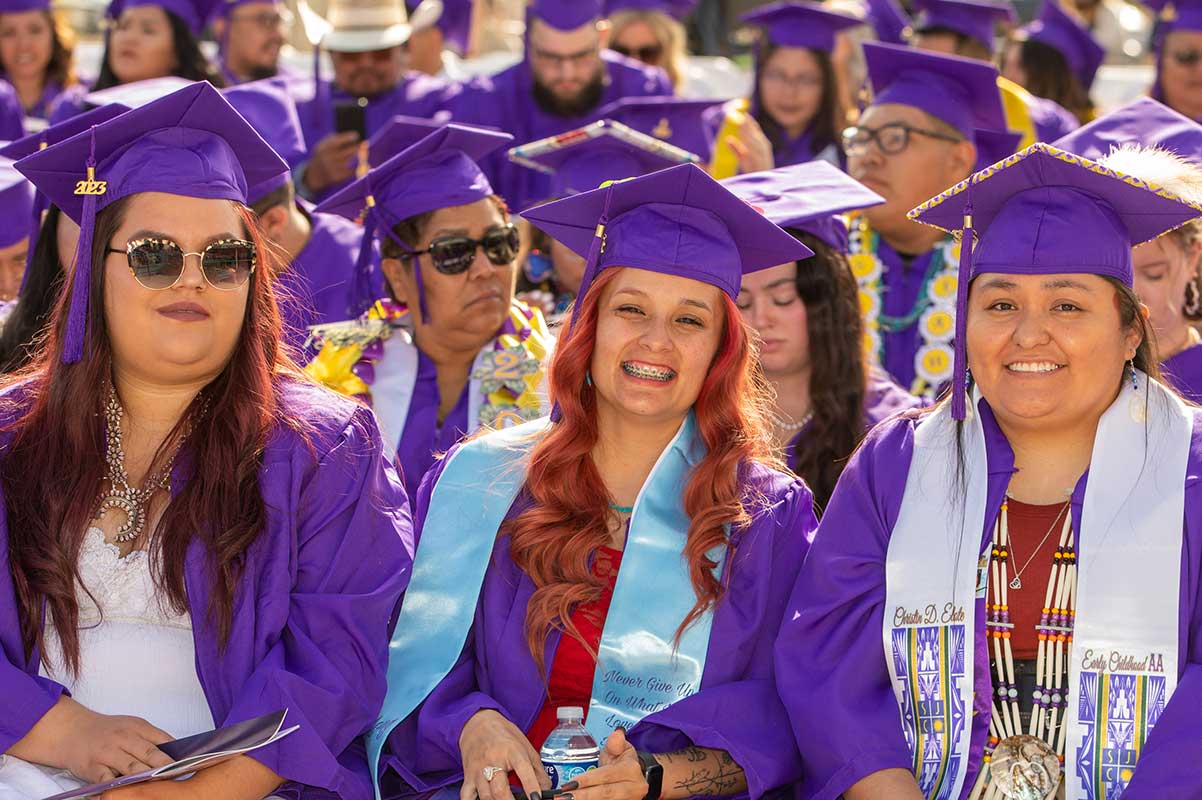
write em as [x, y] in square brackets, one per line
[356, 26]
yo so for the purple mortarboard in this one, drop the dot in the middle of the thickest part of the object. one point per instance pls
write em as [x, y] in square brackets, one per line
[137, 93]
[34, 142]
[960, 91]
[16, 198]
[270, 110]
[679, 121]
[975, 19]
[455, 21]
[1043, 212]
[800, 24]
[678, 9]
[1056, 29]
[1144, 121]
[191, 143]
[677, 221]
[18, 6]
[439, 171]
[1176, 15]
[888, 20]
[587, 157]
[811, 197]
[565, 15]
[194, 13]
[994, 146]
[402, 132]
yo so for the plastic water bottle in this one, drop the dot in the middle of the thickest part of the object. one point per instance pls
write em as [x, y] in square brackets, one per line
[570, 750]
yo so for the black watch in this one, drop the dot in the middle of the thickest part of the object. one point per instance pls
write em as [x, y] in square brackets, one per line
[653, 772]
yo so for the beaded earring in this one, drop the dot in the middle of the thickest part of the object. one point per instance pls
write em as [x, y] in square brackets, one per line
[1134, 377]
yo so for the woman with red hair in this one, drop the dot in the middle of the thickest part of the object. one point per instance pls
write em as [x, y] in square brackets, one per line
[645, 529]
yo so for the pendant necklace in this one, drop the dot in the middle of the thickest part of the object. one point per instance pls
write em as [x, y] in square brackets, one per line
[1017, 583]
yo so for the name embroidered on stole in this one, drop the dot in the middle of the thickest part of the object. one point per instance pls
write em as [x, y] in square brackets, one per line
[1124, 660]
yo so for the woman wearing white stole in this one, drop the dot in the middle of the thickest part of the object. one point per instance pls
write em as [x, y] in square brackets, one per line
[1003, 600]
[644, 529]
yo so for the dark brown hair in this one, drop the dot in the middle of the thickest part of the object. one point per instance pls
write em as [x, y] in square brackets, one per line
[838, 375]
[1049, 76]
[831, 117]
[54, 468]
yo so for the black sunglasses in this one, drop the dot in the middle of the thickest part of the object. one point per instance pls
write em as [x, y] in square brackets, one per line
[159, 263]
[649, 54]
[452, 255]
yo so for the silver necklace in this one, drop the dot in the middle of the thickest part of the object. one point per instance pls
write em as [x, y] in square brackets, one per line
[1017, 583]
[121, 495]
[784, 425]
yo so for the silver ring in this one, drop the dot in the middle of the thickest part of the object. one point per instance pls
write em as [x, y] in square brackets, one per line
[491, 772]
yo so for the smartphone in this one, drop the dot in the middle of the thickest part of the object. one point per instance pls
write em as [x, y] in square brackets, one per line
[351, 116]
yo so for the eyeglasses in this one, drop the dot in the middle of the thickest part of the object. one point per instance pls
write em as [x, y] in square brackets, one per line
[158, 263]
[561, 60]
[891, 138]
[1186, 58]
[268, 20]
[648, 54]
[452, 255]
[792, 81]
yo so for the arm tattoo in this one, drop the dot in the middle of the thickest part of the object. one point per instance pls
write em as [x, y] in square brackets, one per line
[702, 771]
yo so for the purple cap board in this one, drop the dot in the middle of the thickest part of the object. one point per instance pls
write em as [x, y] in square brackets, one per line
[889, 21]
[19, 6]
[1056, 29]
[801, 24]
[1144, 121]
[402, 132]
[137, 93]
[960, 91]
[1045, 212]
[679, 121]
[975, 19]
[678, 9]
[194, 13]
[566, 15]
[585, 158]
[16, 198]
[270, 110]
[810, 197]
[439, 171]
[1177, 15]
[455, 21]
[191, 143]
[994, 146]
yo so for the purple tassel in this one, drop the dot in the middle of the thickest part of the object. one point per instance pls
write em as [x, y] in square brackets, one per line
[81, 279]
[963, 278]
[361, 296]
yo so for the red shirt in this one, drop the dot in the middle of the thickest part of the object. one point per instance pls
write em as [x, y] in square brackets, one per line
[571, 680]
[1028, 524]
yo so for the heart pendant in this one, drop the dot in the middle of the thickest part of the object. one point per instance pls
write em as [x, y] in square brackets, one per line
[1016, 583]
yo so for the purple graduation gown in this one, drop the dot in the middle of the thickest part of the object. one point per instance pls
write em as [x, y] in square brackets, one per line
[311, 621]
[69, 103]
[422, 438]
[12, 115]
[506, 102]
[1184, 373]
[881, 400]
[41, 108]
[736, 709]
[830, 660]
[319, 286]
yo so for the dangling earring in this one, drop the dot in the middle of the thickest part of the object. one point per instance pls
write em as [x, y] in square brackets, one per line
[1193, 299]
[588, 378]
[1134, 377]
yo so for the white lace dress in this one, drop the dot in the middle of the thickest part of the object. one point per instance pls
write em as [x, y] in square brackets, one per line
[136, 659]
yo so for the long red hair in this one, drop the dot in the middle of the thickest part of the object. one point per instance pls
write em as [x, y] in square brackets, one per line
[54, 466]
[555, 539]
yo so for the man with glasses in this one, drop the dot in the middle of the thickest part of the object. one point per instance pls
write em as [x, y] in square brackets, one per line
[918, 138]
[1179, 57]
[370, 86]
[565, 79]
[251, 34]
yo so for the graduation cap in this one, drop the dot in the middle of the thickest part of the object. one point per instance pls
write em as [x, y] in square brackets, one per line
[455, 21]
[191, 143]
[565, 15]
[811, 197]
[16, 198]
[19, 6]
[800, 24]
[960, 91]
[680, 121]
[975, 19]
[270, 110]
[888, 20]
[1043, 212]
[137, 93]
[194, 13]
[402, 132]
[1067, 36]
[1177, 15]
[27, 145]
[1144, 121]
[994, 146]
[677, 9]
[587, 157]
[439, 171]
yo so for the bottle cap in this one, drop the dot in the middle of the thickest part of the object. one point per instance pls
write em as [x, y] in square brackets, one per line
[569, 712]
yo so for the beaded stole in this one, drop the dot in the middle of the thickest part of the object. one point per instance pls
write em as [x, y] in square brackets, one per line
[934, 312]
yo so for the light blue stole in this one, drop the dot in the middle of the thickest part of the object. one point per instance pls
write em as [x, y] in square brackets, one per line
[639, 671]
